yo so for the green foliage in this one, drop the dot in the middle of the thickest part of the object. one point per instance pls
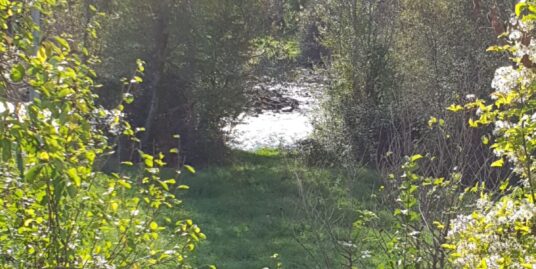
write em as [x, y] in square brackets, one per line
[495, 230]
[394, 66]
[198, 62]
[338, 227]
[274, 49]
[431, 195]
[57, 209]
[424, 208]
[500, 233]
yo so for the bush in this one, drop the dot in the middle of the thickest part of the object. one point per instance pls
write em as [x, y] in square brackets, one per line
[501, 233]
[476, 226]
[57, 210]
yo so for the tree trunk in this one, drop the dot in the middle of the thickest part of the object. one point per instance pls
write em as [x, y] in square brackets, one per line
[156, 68]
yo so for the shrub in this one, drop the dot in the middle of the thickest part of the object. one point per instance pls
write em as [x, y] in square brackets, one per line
[501, 233]
[57, 210]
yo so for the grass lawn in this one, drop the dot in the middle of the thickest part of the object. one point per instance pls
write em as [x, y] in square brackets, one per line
[250, 210]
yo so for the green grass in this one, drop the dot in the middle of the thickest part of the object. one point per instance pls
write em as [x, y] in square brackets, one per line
[250, 210]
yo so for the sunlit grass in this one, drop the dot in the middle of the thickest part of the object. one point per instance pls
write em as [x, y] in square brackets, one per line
[249, 210]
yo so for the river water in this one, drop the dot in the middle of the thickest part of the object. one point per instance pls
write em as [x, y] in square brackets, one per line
[273, 129]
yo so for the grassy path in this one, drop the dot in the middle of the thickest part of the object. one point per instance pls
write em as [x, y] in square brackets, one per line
[248, 210]
[243, 209]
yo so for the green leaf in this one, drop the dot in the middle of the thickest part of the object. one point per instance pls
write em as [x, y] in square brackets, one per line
[415, 158]
[519, 8]
[17, 73]
[432, 121]
[64, 92]
[189, 169]
[43, 156]
[148, 160]
[140, 65]
[504, 186]
[73, 175]
[28, 222]
[42, 55]
[499, 163]
[455, 108]
[164, 185]
[483, 264]
[4, 4]
[63, 43]
[439, 225]
[136, 80]
[90, 155]
[473, 123]
[32, 174]
[153, 226]
[128, 98]
[125, 184]
[438, 181]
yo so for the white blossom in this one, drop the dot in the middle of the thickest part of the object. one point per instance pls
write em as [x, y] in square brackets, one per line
[515, 35]
[506, 78]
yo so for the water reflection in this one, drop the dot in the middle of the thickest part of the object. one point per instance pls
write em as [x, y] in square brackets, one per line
[269, 128]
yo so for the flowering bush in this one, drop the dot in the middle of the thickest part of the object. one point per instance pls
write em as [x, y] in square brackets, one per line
[501, 233]
[495, 235]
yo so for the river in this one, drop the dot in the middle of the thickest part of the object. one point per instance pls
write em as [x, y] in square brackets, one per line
[272, 128]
